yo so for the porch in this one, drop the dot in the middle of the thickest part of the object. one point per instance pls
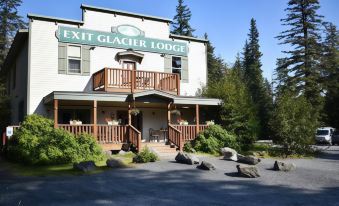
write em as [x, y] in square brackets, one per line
[126, 80]
[108, 117]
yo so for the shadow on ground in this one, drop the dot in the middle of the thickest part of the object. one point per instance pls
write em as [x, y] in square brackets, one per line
[142, 187]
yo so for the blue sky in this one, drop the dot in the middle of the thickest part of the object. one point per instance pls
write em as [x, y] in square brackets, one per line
[225, 21]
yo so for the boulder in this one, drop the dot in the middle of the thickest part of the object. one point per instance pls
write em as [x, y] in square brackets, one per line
[114, 163]
[85, 166]
[206, 166]
[185, 158]
[229, 153]
[122, 152]
[251, 160]
[283, 166]
[248, 171]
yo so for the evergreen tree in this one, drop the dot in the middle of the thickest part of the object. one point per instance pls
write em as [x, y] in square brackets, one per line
[330, 74]
[10, 22]
[300, 69]
[181, 25]
[237, 113]
[215, 65]
[254, 80]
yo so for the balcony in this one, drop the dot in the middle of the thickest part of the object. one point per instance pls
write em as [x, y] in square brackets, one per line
[124, 80]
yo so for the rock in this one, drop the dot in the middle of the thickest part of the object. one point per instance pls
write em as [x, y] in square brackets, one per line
[251, 160]
[114, 163]
[85, 166]
[108, 153]
[229, 153]
[126, 147]
[185, 158]
[206, 166]
[122, 152]
[282, 166]
[248, 171]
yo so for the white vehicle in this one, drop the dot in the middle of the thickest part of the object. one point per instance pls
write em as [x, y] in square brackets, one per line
[324, 135]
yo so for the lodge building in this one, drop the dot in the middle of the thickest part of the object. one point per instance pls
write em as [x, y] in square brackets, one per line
[120, 76]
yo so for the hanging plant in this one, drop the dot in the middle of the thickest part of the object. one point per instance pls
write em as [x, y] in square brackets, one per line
[135, 111]
[175, 112]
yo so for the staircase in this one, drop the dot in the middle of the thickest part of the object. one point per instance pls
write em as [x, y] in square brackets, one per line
[161, 149]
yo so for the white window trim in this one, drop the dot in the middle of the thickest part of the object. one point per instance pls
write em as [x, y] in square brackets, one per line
[81, 71]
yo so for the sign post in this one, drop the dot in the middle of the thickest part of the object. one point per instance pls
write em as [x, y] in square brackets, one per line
[9, 131]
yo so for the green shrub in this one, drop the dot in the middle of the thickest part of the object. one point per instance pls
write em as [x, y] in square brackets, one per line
[37, 142]
[89, 148]
[188, 147]
[213, 139]
[145, 156]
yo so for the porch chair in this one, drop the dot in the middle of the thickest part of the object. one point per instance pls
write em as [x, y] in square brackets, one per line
[154, 134]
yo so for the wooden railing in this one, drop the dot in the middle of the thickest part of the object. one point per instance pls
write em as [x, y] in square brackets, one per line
[123, 80]
[77, 129]
[175, 136]
[134, 137]
[189, 132]
[112, 134]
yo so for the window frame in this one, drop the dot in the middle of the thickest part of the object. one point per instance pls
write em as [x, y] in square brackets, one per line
[175, 67]
[74, 58]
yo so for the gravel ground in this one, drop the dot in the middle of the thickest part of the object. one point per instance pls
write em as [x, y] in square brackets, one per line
[315, 182]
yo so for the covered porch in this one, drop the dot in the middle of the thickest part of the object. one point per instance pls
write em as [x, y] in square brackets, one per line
[110, 118]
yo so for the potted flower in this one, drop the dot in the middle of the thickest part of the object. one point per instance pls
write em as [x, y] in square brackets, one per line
[183, 122]
[135, 111]
[211, 122]
[175, 112]
[75, 122]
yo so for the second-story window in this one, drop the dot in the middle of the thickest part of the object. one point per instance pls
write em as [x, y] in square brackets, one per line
[176, 65]
[74, 59]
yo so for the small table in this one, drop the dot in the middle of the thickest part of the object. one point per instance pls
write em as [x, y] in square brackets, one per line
[163, 133]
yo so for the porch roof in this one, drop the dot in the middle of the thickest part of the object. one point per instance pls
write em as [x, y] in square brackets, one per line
[125, 97]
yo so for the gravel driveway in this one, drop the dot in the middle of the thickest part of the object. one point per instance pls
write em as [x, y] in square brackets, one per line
[315, 182]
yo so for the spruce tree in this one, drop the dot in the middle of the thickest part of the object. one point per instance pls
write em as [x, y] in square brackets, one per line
[254, 80]
[10, 22]
[181, 25]
[300, 68]
[330, 74]
[215, 65]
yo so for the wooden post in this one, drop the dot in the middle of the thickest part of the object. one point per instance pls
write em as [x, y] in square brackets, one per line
[139, 142]
[178, 85]
[129, 114]
[4, 138]
[133, 80]
[197, 117]
[169, 113]
[55, 102]
[181, 142]
[95, 126]
[155, 81]
[106, 79]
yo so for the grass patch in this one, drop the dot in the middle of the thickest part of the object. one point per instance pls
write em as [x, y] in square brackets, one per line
[268, 151]
[47, 170]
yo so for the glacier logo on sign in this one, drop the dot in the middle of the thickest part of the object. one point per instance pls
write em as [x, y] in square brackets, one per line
[125, 37]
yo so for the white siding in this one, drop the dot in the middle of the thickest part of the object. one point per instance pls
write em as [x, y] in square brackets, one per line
[19, 93]
[44, 77]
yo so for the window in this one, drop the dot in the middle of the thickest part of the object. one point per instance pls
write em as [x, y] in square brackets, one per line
[74, 59]
[176, 65]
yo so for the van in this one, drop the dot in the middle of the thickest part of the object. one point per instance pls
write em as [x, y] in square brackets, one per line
[324, 135]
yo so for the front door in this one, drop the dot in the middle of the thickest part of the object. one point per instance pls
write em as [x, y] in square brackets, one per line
[128, 65]
[137, 121]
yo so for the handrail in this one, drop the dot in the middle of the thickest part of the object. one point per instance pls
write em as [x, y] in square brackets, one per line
[189, 132]
[135, 137]
[124, 80]
[175, 136]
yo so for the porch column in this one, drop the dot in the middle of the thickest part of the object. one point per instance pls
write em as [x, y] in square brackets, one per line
[197, 117]
[95, 126]
[129, 114]
[169, 113]
[55, 104]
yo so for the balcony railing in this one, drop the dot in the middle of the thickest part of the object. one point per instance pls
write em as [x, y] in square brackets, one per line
[124, 80]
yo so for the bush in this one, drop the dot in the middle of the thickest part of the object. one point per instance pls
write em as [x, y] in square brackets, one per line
[213, 139]
[89, 148]
[294, 123]
[37, 142]
[145, 156]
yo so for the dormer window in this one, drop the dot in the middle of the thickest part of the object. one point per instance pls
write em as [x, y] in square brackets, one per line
[74, 59]
[176, 65]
